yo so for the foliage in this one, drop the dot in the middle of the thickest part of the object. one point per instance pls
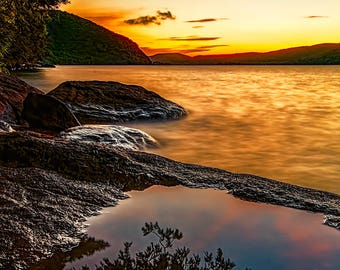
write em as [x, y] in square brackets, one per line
[77, 41]
[7, 18]
[23, 36]
[160, 255]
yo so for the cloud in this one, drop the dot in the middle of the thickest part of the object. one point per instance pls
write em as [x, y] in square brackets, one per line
[165, 15]
[152, 51]
[147, 20]
[192, 38]
[193, 50]
[212, 46]
[198, 26]
[316, 17]
[207, 20]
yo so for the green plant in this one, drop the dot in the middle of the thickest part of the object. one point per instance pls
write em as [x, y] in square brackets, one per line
[23, 35]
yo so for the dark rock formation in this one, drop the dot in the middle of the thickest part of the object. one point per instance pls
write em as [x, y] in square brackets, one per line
[47, 112]
[113, 102]
[12, 95]
[50, 185]
[42, 210]
[119, 136]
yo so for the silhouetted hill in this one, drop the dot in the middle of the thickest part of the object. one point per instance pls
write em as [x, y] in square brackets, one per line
[321, 54]
[75, 40]
[171, 58]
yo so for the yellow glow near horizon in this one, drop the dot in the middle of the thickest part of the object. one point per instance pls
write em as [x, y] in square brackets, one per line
[239, 26]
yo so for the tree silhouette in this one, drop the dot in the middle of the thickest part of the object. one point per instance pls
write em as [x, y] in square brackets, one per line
[23, 35]
[161, 256]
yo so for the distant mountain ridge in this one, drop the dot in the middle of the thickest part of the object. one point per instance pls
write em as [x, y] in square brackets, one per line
[320, 54]
[77, 41]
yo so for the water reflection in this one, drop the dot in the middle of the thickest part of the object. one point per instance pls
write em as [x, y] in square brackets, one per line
[253, 235]
[280, 122]
[58, 261]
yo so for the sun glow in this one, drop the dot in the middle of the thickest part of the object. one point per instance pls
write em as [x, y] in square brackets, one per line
[217, 26]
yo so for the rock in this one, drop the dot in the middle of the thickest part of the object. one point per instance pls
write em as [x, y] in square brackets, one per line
[127, 169]
[119, 136]
[42, 212]
[47, 112]
[12, 95]
[49, 186]
[333, 221]
[5, 127]
[111, 102]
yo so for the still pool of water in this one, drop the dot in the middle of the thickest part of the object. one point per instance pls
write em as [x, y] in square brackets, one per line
[258, 236]
[281, 122]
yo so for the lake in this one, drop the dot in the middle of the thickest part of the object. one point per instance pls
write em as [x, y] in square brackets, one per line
[280, 122]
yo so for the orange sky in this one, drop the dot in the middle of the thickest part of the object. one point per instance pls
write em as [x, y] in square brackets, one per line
[216, 26]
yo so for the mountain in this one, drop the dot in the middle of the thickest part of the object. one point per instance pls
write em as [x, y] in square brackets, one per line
[320, 54]
[171, 58]
[74, 40]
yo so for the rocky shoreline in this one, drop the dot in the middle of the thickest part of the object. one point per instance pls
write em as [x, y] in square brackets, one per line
[51, 181]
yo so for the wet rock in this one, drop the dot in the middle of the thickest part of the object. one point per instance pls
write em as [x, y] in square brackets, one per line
[119, 136]
[111, 102]
[333, 221]
[13, 92]
[43, 212]
[48, 187]
[47, 112]
[5, 127]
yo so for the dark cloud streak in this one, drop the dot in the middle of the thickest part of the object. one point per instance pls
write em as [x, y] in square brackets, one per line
[152, 51]
[192, 38]
[211, 46]
[316, 17]
[147, 20]
[207, 20]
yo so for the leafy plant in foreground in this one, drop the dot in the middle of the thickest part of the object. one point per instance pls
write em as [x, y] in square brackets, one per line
[161, 256]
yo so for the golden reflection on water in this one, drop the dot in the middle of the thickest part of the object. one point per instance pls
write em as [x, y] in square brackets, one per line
[280, 122]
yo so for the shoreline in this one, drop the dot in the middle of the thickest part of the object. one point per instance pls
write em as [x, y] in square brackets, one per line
[92, 166]
[52, 184]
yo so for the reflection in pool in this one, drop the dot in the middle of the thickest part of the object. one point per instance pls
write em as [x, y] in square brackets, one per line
[252, 235]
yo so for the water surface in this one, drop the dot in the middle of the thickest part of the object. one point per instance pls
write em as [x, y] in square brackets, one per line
[253, 235]
[281, 122]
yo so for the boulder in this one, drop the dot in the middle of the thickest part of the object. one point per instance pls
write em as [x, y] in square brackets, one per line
[118, 136]
[47, 112]
[13, 92]
[112, 102]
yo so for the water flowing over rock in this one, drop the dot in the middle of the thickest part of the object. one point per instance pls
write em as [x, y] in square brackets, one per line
[47, 112]
[12, 95]
[128, 138]
[50, 185]
[95, 102]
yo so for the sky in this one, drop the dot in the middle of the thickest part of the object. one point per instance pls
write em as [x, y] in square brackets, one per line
[216, 26]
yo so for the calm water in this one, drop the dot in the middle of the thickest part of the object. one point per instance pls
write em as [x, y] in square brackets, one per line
[266, 237]
[281, 122]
